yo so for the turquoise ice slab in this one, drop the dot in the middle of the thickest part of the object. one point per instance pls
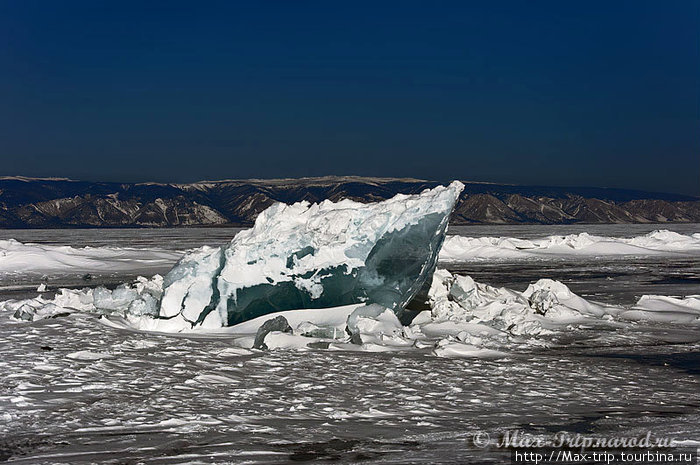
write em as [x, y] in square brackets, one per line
[314, 256]
[396, 268]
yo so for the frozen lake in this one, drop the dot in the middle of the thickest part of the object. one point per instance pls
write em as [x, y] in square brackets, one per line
[76, 391]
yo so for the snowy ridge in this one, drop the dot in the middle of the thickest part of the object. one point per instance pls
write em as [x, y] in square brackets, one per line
[461, 248]
[17, 257]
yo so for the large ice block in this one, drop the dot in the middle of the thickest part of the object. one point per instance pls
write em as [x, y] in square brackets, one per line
[314, 256]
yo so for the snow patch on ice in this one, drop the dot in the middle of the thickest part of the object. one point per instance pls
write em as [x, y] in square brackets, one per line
[86, 355]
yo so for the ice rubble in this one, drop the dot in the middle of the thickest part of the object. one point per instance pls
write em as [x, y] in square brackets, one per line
[314, 256]
[466, 318]
[483, 316]
[128, 300]
[660, 242]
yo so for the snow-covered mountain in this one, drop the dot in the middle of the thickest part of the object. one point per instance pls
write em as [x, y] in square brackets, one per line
[56, 202]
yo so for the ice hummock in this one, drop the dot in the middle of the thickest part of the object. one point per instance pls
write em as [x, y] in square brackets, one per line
[304, 256]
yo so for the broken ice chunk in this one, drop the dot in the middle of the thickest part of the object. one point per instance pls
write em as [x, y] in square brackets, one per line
[278, 323]
[372, 320]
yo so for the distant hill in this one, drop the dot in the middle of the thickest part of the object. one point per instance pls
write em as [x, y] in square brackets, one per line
[61, 203]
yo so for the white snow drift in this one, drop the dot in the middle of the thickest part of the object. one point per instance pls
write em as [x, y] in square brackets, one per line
[662, 242]
[16, 257]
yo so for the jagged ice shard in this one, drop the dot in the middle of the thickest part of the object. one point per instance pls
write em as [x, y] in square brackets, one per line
[314, 256]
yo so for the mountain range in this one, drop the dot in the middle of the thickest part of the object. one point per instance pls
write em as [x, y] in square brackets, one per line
[64, 203]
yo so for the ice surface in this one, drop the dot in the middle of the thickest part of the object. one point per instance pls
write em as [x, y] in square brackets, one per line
[181, 400]
[660, 242]
[90, 394]
[314, 256]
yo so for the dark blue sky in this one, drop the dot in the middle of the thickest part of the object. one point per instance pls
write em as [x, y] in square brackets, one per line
[558, 93]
